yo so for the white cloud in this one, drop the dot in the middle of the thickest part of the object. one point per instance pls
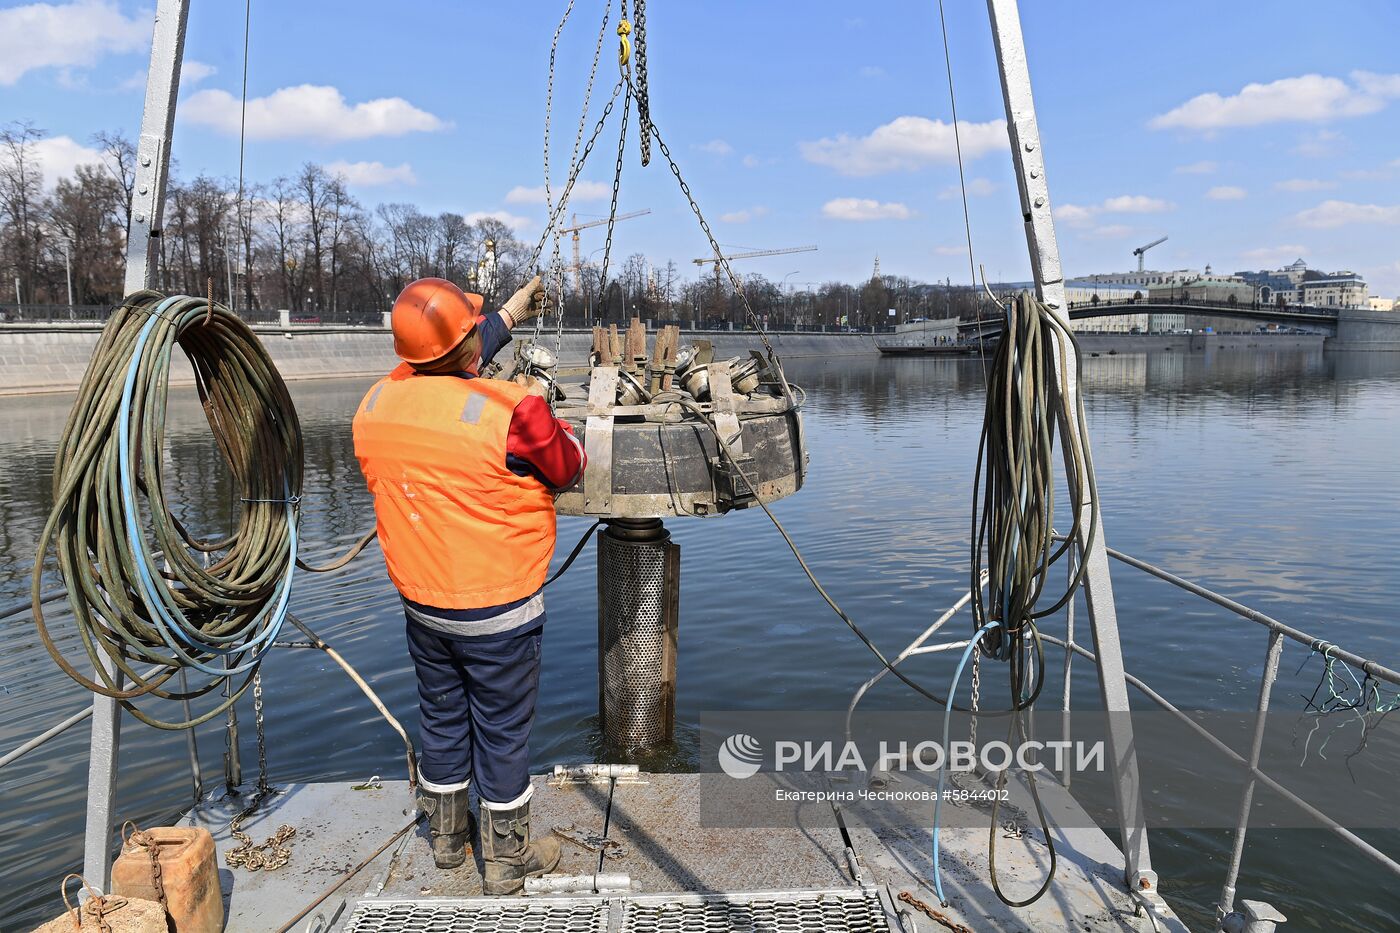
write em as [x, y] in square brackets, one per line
[371, 174]
[513, 221]
[905, 144]
[1310, 98]
[1136, 204]
[193, 72]
[1074, 215]
[582, 191]
[1304, 184]
[1274, 256]
[872, 71]
[865, 209]
[58, 156]
[716, 147]
[1204, 167]
[1110, 232]
[1320, 144]
[1083, 216]
[309, 111]
[977, 188]
[1345, 213]
[744, 216]
[1377, 84]
[751, 161]
[48, 35]
[1227, 193]
[951, 250]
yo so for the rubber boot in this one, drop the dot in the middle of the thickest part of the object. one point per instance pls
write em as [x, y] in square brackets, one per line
[508, 853]
[449, 824]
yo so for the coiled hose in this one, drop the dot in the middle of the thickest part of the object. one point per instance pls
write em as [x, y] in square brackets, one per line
[1013, 513]
[144, 590]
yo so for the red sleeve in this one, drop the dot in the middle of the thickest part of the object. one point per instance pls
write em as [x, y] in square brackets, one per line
[545, 443]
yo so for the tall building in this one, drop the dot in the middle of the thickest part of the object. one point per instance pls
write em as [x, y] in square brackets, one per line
[1296, 284]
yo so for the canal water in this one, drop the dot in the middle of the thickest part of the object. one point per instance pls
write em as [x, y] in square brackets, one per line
[1271, 477]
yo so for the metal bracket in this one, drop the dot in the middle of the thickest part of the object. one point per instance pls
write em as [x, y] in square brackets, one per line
[153, 145]
[566, 775]
[597, 441]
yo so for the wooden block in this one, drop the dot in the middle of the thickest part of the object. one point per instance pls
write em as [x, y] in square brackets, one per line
[615, 344]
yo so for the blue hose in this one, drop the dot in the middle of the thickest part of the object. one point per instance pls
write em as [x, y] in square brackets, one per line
[156, 597]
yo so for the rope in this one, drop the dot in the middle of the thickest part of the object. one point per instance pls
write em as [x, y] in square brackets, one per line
[242, 128]
[962, 180]
[154, 601]
[891, 666]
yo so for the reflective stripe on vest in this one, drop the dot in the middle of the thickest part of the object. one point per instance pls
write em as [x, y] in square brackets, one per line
[458, 529]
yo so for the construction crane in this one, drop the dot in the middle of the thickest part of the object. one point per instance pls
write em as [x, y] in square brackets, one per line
[1143, 249]
[751, 254]
[754, 254]
[576, 227]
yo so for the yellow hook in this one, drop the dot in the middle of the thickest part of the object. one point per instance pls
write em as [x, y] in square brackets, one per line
[624, 51]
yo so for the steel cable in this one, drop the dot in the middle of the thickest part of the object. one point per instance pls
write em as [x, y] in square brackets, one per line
[139, 585]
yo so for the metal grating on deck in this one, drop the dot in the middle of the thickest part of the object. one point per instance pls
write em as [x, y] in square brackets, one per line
[848, 911]
[853, 910]
[481, 915]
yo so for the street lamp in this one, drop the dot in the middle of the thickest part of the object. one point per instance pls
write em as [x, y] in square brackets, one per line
[784, 292]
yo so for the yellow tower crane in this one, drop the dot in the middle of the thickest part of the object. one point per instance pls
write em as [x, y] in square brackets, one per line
[573, 230]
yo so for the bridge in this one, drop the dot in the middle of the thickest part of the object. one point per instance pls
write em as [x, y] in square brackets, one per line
[1313, 318]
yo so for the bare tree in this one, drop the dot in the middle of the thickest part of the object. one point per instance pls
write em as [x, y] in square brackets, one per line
[21, 188]
[119, 160]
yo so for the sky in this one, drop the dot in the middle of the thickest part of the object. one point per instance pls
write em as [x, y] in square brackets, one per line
[1251, 134]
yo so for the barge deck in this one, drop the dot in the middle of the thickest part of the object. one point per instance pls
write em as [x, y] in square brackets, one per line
[673, 871]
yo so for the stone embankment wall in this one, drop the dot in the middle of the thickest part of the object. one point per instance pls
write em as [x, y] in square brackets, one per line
[52, 358]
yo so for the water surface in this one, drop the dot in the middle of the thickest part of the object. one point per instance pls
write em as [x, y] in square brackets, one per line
[1271, 477]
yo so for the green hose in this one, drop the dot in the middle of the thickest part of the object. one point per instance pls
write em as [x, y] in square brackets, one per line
[142, 589]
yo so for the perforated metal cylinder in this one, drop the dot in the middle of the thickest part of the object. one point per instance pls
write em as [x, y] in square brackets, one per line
[638, 612]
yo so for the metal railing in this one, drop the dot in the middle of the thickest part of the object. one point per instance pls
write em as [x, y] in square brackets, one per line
[19, 608]
[1278, 632]
[53, 314]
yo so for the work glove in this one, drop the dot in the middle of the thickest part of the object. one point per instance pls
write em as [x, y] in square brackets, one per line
[532, 385]
[527, 302]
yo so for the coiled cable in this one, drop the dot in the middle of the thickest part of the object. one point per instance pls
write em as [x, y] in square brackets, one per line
[141, 587]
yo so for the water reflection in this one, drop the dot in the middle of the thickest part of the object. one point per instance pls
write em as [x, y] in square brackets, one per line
[1271, 476]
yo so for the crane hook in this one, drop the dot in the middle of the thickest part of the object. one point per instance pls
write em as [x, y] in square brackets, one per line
[624, 51]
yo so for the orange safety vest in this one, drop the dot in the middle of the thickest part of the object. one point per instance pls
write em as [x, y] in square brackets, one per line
[458, 529]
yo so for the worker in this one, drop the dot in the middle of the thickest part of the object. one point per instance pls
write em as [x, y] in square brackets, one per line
[462, 469]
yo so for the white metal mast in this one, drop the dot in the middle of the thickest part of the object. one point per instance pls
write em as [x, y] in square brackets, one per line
[142, 248]
[1029, 162]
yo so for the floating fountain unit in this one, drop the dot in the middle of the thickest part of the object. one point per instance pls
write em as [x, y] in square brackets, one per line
[651, 420]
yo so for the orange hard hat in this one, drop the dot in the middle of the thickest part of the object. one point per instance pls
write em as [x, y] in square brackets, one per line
[431, 317]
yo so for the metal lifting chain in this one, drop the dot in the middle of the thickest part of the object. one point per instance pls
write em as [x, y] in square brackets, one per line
[558, 211]
[612, 209]
[714, 244]
[976, 703]
[263, 787]
[93, 910]
[548, 113]
[643, 94]
[135, 837]
[557, 258]
[270, 855]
